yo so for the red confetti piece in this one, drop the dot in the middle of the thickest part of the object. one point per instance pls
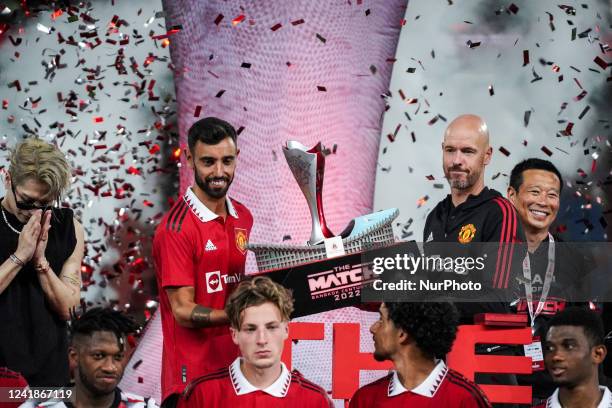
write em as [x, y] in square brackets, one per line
[546, 150]
[220, 93]
[513, 8]
[391, 137]
[198, 110]
[401, 94]
[471, 44]
[321, 88]
[504, 151]
[56, 14]
[5, 103]
[246, 65]
[98, 119]
[140, 380]
[133, 170]
[154, 149]
[491, 90]
[580, 96]
[148, 203]
[321, 38]
[593, 166]
[238, 20]
[525, 57]
[297, 22]
[555, 68]
[433, 120]
[15, 84]
[218, 19]
[568, 129]
[430, 177]
[276, 26]
[599, 61]
[172, 31]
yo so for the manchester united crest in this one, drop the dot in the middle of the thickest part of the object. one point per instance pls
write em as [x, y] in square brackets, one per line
[467, 233]
[241, 239]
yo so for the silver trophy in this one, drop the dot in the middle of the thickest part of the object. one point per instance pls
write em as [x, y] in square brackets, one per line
[362, 233]
[308, 168]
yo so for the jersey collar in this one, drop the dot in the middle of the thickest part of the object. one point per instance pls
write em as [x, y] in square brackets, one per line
[427, 388]
[606, 400]
[201, 211]
[242, 386]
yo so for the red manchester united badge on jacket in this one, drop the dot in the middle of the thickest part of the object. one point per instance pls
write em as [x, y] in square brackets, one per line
[241, 239]
[467, 233]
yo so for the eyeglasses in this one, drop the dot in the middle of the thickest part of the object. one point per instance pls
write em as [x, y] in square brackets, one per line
[28, 205]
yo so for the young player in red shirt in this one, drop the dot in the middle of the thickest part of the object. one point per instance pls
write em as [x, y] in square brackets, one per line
[414, 336]
[259, 313]
[200, 252]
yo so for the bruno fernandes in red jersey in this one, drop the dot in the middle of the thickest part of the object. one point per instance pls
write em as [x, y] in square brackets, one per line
[200, 252]
[258, 311]
[415, 336]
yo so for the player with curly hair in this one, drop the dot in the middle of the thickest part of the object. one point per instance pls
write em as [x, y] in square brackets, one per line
[416, 336]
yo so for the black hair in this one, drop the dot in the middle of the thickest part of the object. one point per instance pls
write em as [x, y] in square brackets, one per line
[102, 320]
[589, 320]
[516, 176]
[210, 131]
[433, 326]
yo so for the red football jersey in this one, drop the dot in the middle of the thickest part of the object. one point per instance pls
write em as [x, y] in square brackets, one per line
[442, 388]
[230, 388]
[10, 380]
[195, 247]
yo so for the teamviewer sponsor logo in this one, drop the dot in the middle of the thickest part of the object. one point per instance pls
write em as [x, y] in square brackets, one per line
[213, 282]
[338, 279]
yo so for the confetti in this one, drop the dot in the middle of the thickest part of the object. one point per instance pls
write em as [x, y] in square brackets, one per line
[297, 22]
[471, 44]
[276, 26]
[198, 110]
[218, 19]
[43, 29]
[526, 118]
[245, 65]
[238, 20]
[504, 151]
[421, 201]
[580, 96]
[546, 151]
[599, 61]
[321, 38]
[513, 8]
[220, 93]
[491, 90]
[321, 88]
[525, 57]
[584, 112]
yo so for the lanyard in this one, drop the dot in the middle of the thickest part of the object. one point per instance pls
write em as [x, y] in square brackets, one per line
[550, 270]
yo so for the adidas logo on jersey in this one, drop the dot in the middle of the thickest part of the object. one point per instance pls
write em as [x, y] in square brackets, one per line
[430, 237]
[210, 246]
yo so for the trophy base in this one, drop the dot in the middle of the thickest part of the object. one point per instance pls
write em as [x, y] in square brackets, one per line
[364, 233]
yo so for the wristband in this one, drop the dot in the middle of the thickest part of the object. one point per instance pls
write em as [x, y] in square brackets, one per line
[16, 260]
